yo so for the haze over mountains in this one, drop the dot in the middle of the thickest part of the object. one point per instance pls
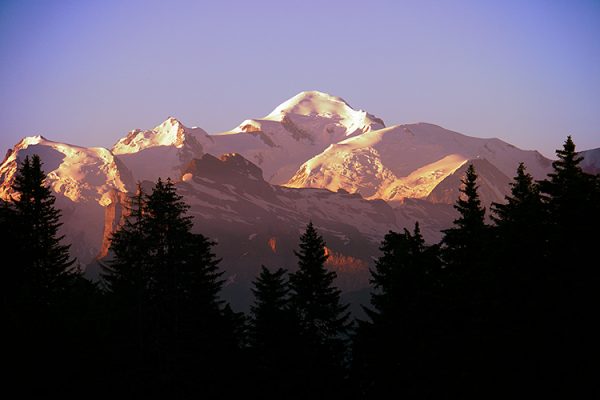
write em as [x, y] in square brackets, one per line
[254, 188]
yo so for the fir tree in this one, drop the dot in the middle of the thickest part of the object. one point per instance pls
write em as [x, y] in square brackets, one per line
[390, 351]
[272, 331]
[466, 293]
[321, 317]
[270, 311]
[47, 266]
[462, 244]
[127, 273]
[186, 327]
[572, 199]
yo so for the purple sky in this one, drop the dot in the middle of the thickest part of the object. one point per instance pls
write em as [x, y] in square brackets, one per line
[86, 72]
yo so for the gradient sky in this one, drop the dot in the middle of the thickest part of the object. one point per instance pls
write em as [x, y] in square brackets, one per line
[86, 72]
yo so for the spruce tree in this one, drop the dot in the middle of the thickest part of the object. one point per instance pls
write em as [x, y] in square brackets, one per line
[462, 244]
[572, 199]
[49, 298]
[391, 350]
[271, 333]
[47, 265]
[188, 330]
[321, 317]
[270, 311]
[127, 273]
[466, 293]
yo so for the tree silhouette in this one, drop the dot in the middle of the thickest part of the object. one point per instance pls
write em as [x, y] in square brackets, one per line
[391, 350]
[271, 334]
[462, 244]
[46, 263]
[186, 332]
[572, 200]
[321, 317]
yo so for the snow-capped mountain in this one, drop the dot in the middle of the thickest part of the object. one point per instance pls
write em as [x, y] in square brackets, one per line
[341, 168]
[293, 132]
[80, 174]
[84, 180]
[407, 161]
[162, 151]
[256, 223]
[492, 184]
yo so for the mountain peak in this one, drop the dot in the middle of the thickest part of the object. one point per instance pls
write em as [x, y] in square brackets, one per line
[316, 103]
[31, 140]
[170, 132]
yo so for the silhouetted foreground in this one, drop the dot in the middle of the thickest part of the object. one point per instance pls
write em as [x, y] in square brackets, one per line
[502, 309]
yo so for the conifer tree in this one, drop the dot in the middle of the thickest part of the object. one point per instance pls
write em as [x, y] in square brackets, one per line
[188, 330]
[569, 195]
[388, 350]
[270, 311]
[462, 244]
[272, 331]
[321, 317]
[572, 199]
[127, 274]
[47, 265]
[466, 292]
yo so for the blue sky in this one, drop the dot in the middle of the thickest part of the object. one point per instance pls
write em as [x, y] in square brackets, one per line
[86, 72]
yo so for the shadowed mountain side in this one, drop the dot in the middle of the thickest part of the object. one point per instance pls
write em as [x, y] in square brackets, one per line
[257, 223]
[493, 184]
[591, 161]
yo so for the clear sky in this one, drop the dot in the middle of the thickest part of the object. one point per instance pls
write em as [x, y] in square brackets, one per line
[86, 72]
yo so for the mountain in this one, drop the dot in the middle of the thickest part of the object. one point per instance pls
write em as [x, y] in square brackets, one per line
[256, 223]
[408, 161]
[162, 151]
[253, 189]
[591, 161]
[492, 184]
[84, 180]
[293, 132]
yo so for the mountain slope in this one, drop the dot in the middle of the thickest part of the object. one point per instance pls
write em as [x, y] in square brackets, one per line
[256, 223]
[591, 161]
[84, 180]
[162, 151]
[293, 132]
[78, 173]
[407, 161]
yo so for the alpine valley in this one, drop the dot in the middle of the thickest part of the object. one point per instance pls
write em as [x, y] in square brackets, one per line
[253, 189]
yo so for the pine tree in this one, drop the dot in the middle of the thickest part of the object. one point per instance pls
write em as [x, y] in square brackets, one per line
[321, 317]
[389, 350]
[47, 265]
[572, 199]
[466, 293]
[272, 331]
[462, 244]
[187, 330]
[127, 273]
[270, 311]
[568, 194]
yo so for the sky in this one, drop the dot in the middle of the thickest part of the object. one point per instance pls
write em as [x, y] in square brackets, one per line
[87, 72]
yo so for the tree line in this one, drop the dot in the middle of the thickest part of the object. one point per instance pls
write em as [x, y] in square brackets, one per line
[493, 309]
